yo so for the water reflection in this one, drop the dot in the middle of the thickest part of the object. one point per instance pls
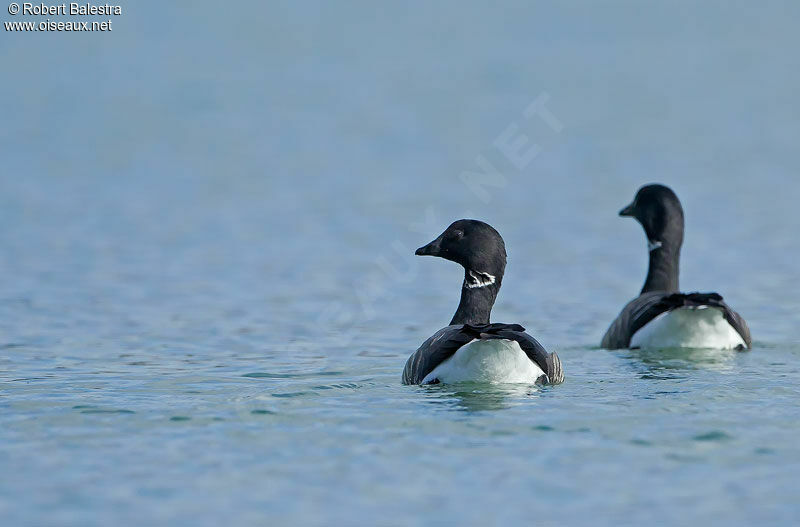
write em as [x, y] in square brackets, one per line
[673, 363]
[480, 397]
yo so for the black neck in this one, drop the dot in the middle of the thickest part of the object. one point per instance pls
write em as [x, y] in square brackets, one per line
[662, 274]
[476, 303]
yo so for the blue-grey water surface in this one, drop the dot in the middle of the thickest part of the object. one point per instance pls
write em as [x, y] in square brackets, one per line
[208, 288]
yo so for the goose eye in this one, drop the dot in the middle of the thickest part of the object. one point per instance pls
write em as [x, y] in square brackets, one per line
[457, 234]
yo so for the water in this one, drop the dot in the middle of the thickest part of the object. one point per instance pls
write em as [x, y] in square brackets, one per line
[209, 291]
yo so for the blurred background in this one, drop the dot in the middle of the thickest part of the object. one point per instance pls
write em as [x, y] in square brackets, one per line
[217, 182]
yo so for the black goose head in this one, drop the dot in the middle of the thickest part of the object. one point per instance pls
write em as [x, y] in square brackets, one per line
[659, 211]
[476, 246]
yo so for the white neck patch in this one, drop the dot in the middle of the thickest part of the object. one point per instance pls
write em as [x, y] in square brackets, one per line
[653, 245]
[476, 279]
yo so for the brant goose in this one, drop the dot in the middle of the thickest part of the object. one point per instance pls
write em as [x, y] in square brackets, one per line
[662, 317]
[470, 348]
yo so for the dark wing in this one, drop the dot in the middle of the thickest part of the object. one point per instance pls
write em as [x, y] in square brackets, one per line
[445, 342]
[438, 348]
[641, 310]
[633, 316]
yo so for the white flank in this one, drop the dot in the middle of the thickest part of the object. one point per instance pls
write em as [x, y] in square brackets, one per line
[688, 327]
[495, 360]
